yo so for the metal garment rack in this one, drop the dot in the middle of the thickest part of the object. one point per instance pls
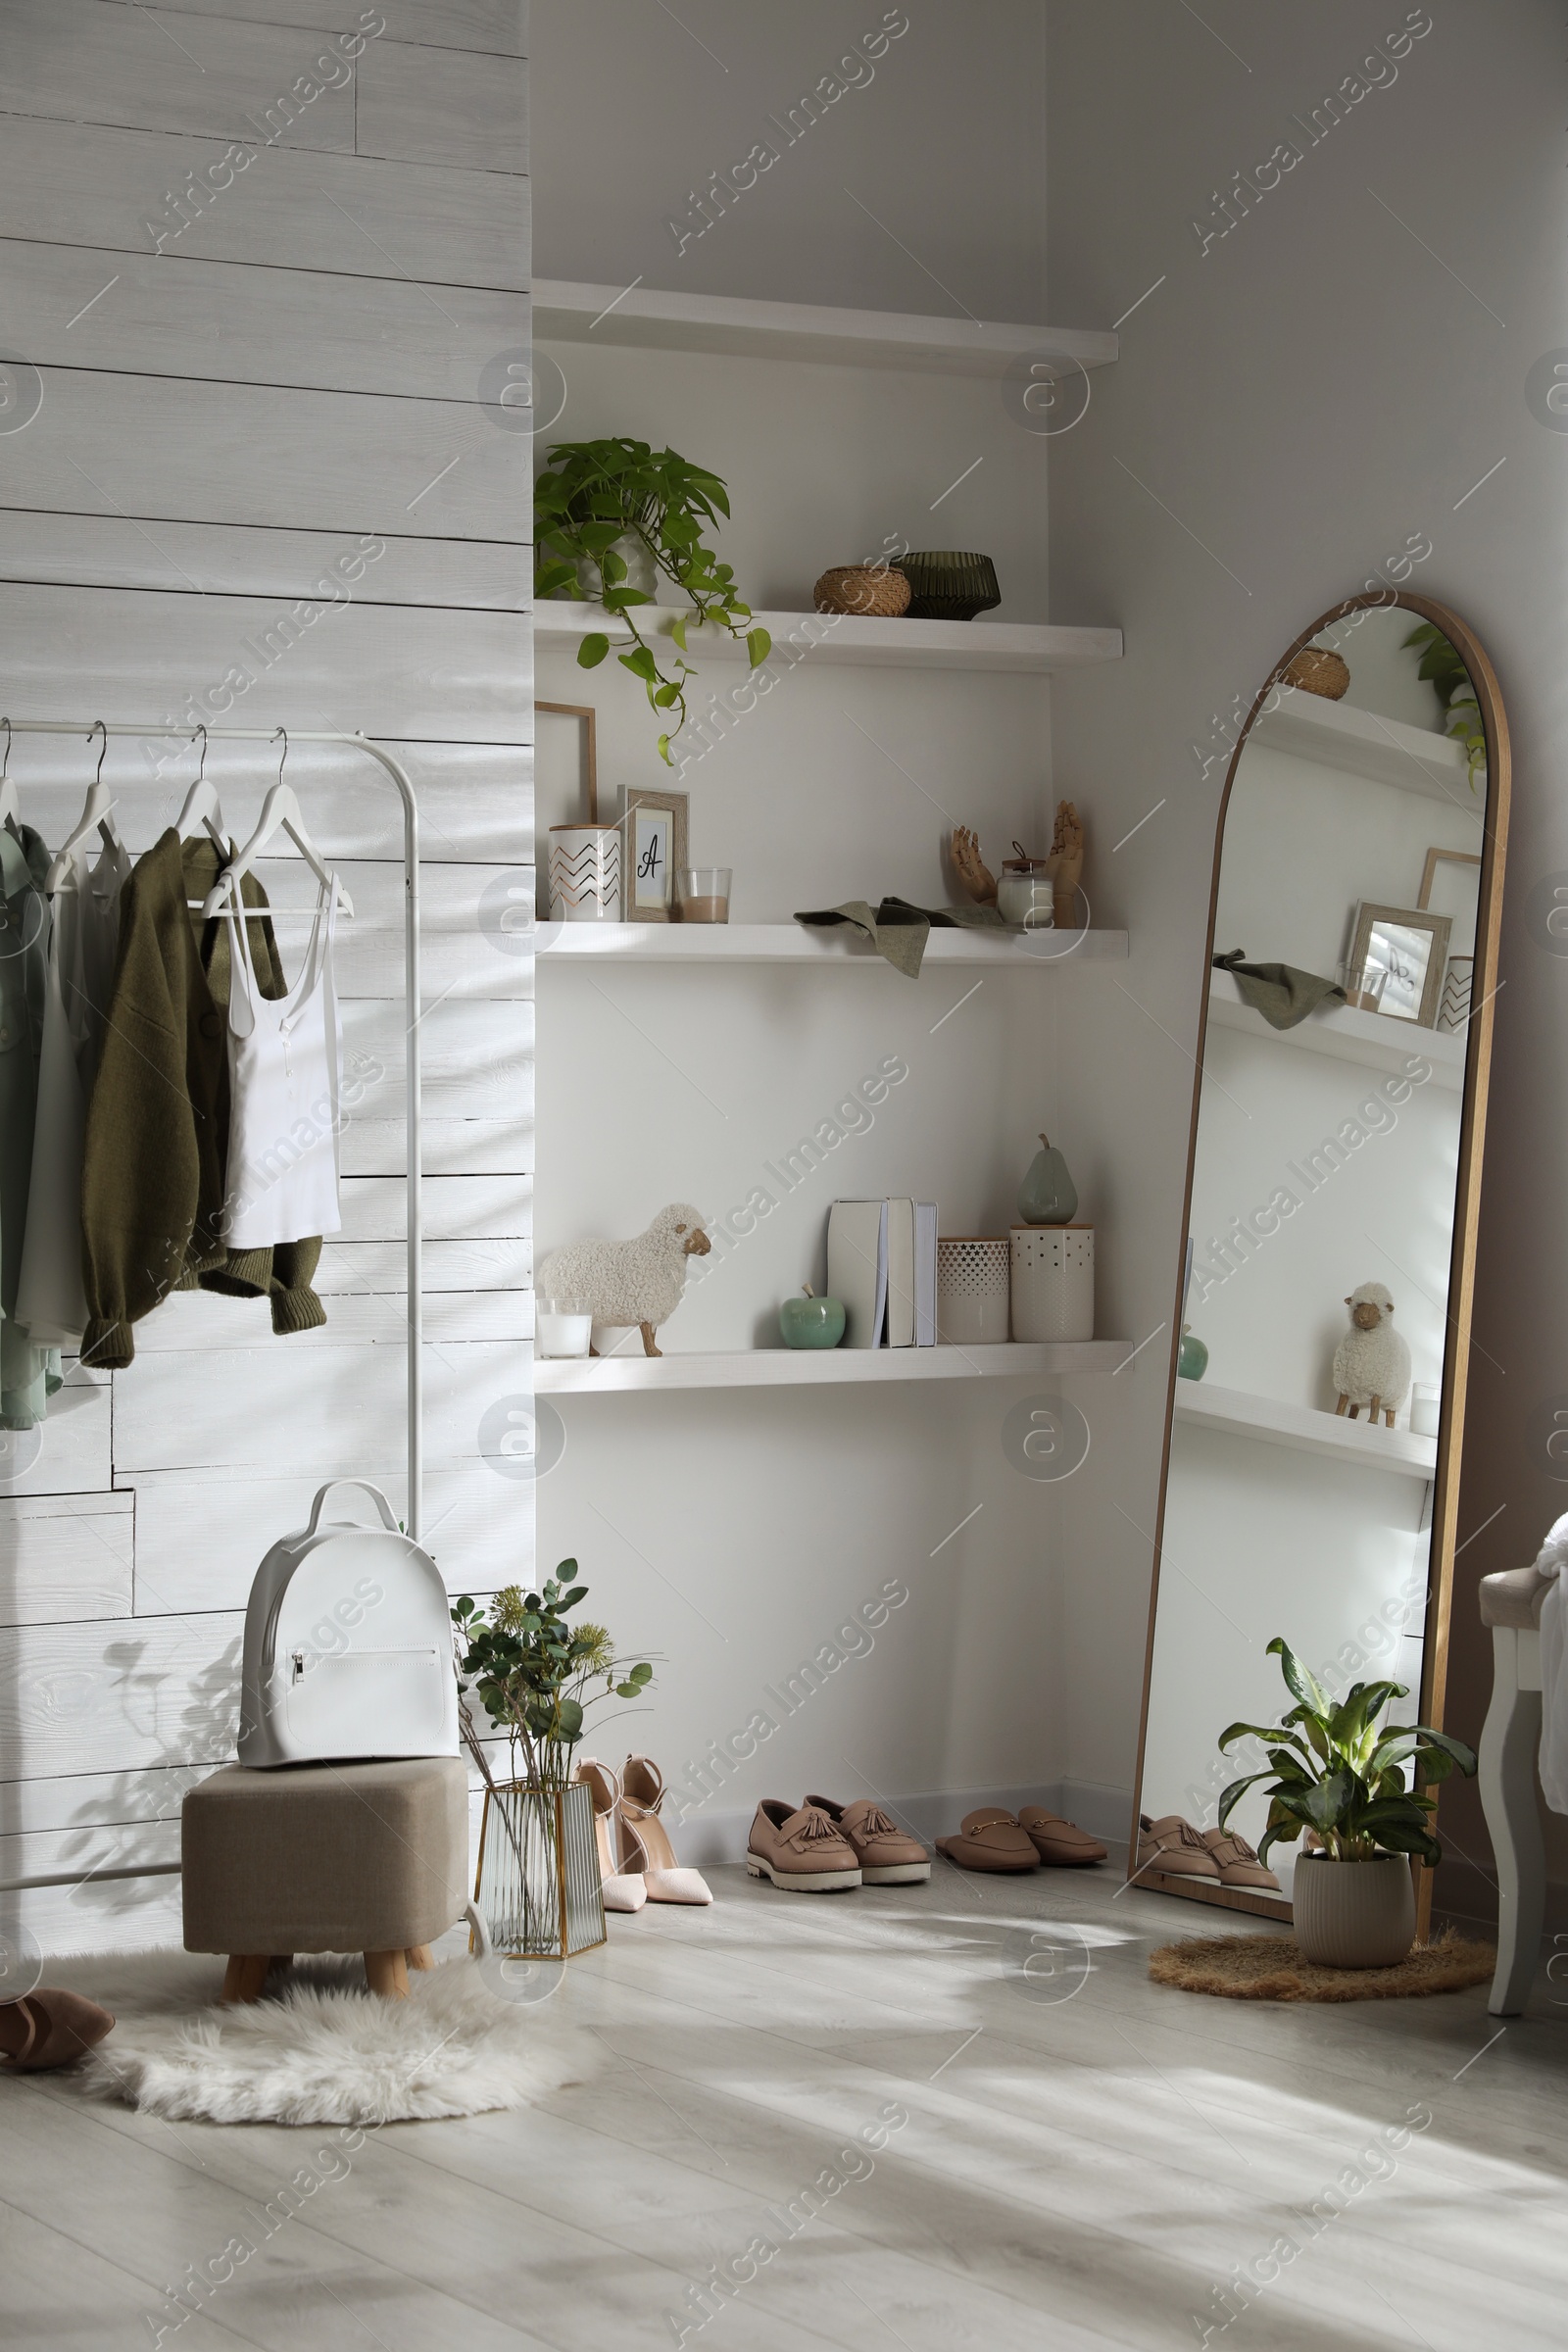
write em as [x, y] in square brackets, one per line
[411, 1004]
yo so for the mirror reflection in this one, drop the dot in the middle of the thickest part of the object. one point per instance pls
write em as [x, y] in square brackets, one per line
[1303, 1446]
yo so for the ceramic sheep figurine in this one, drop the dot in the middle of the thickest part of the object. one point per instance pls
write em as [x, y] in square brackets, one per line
[1371, 1363]
[623, 1283]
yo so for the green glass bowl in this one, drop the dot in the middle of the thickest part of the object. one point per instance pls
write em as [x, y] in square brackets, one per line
[811, 1322]
[1192, 1358]
[946, 584]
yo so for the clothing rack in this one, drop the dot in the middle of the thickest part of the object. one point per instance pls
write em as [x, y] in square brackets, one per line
[411, 1002]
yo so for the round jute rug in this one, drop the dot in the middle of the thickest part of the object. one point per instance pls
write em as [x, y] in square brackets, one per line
[1270, 1968]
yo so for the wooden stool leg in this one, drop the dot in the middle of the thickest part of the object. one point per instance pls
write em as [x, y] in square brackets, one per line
[245, 1977]
[417, 1956]
[389, 1974]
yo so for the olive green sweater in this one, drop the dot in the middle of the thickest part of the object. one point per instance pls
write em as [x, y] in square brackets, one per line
[154, 1163]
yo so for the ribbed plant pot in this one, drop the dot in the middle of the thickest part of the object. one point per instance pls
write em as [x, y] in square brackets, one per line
[1353, 1914]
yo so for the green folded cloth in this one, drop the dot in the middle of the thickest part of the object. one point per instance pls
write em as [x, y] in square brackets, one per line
[1280, 991]
[899, 931]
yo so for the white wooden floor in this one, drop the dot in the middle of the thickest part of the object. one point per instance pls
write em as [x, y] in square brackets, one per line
[1087, 2159]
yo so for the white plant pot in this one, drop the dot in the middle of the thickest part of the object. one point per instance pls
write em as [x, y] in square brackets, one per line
[1353, 1914]
[641, 571]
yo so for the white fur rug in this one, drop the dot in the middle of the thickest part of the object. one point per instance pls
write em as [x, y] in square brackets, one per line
[321, 2048]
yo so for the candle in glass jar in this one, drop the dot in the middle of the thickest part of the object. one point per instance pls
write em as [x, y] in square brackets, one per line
[705, 894]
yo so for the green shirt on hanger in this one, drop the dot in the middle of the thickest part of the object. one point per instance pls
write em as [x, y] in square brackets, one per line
[28, 1375]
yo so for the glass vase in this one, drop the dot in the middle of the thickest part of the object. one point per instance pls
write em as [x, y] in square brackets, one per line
[538, 1882]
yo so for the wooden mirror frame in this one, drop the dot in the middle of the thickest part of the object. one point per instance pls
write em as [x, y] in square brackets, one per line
[1466, 1203]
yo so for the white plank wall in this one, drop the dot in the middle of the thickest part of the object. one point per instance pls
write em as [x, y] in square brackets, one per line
[263, 489]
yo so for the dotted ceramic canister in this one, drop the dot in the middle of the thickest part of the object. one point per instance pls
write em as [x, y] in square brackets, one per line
[971, 1288]
[1053, 1281]
[585, 873]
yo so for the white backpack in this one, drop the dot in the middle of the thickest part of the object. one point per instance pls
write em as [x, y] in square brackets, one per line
[347, 1645]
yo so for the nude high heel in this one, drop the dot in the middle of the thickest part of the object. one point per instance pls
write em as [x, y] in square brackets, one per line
[49, 2027]
[643, 1793]
[624, 1890]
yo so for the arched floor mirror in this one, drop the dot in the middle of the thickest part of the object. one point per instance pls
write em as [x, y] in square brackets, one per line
[1310, 1479]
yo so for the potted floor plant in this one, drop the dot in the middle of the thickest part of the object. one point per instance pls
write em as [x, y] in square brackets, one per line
[610, 517]
[1341, 1773]
[536, 1675]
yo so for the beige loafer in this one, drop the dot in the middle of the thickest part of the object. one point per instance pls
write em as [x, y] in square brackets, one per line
[1238, 1863]
[800, 1849]
[1062, 1843]
[887, 1855]
[1172, 1846]
[990, 1839]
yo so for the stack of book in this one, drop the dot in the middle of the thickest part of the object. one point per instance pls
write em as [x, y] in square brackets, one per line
[882, 1265]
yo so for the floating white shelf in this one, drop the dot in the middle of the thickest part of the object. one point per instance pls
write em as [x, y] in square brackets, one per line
[802, 943]
[821, 1367]
[1346, 1035]
[1300, 1428]
[1337, 735]
[1024, 648]
[654, 320]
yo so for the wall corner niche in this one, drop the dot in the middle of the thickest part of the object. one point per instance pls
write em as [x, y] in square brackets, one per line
[1309, 1480]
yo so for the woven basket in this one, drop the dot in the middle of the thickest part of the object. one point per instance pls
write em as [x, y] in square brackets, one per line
[1316, 671]
[862, 588]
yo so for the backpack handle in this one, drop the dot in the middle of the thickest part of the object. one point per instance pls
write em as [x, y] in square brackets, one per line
[365, 1486]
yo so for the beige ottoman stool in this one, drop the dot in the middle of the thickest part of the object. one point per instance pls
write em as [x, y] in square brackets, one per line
[368, 1859]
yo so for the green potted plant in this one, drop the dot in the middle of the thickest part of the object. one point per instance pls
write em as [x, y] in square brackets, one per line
[610, 517]
[1339, 1772]
[1451, 682]
[536, 1675]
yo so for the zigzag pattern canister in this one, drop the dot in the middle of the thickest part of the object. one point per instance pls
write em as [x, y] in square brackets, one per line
[585, 873]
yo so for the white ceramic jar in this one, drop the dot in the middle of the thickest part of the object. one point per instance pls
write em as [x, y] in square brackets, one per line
[971, 1289]
[1053, 1281]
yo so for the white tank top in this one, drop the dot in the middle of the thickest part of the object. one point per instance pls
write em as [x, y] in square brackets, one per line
[284, 1056]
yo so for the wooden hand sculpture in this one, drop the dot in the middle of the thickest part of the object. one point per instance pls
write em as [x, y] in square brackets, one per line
[1065, 866]
[970, 868]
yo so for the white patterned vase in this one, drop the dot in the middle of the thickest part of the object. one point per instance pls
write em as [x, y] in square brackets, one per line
[585, 873]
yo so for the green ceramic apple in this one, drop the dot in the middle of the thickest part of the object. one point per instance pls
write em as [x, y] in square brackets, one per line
[811, 1322]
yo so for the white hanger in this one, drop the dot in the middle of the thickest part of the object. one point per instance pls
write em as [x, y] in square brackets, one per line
[10, 806]
[202, 804]
[280, 812]
[94, 814]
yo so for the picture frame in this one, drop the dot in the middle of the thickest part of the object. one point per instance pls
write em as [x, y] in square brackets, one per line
[1452, 877]
[654, 851]
[1412, 946]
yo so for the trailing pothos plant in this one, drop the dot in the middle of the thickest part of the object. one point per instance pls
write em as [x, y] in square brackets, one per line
[1451, 682]
[534, 1673]
[593, 493]
[1338, 1771]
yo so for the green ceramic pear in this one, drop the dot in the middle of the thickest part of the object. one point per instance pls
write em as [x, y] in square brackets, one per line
[1048, 1195]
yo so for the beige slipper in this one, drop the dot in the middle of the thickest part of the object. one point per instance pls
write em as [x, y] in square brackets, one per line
[1059, 1843]
[50, 2028]
[990, 1839]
